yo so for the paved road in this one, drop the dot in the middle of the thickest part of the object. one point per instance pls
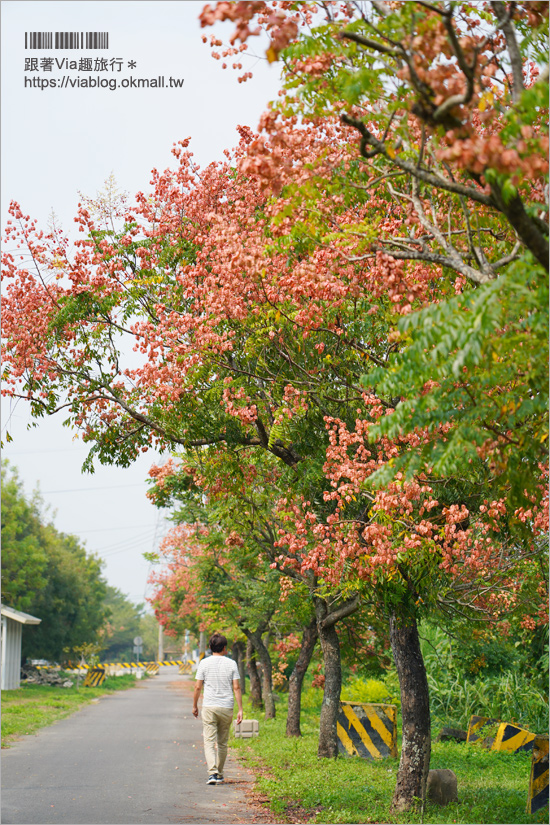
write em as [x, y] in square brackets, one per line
[132, 757]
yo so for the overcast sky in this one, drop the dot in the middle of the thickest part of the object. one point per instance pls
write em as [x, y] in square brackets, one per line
[57, 142]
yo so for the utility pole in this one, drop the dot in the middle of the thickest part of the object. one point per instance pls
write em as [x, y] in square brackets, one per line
[161, 645]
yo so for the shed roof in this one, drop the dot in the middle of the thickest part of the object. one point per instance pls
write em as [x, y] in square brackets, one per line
[18, 616]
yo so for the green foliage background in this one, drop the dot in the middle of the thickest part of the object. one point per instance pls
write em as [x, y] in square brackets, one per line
[127, 620]
[49, 575]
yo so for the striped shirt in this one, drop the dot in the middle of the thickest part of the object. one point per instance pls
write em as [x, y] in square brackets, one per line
[217, 673]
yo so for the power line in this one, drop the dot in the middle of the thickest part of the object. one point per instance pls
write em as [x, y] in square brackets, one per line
[98, 489]
[110, 529]
[147, 583]
[11, 414]
[125, 549]
[130, 541]
[33, 452]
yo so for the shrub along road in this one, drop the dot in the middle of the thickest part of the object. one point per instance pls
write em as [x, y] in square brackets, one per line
[135, 756]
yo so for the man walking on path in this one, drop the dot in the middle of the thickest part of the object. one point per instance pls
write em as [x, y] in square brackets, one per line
[220, 677]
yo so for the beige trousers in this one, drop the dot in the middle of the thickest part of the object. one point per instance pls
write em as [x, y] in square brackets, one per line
[216, 724]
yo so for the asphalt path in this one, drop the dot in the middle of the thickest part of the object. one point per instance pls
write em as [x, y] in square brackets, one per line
[132, 757]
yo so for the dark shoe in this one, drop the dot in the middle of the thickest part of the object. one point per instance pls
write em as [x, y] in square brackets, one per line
[212, 779]
[219, 778]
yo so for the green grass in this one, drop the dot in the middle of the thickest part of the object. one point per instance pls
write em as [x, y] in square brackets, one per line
[492, 787]
[32, 707]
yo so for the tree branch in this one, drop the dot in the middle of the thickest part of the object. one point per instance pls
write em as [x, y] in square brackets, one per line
[349, 607]
[368, 43]
[368, 139]
[505, 25]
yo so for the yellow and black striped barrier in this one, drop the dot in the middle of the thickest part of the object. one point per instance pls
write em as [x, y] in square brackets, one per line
[512, 738]
[538, 782]
[73, 666]
[141, 664]
[499, 736]
[150, 667]
[95, 677]
[174, 662]
[482, 731]
[367, 730]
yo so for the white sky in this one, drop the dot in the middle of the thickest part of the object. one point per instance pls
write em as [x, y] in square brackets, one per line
[61, 141]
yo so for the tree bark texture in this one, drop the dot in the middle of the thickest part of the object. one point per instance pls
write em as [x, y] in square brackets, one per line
[415, 712]
[267, 676]
[255, 683]
[525, 227]
[238, 653]
[330, 645]
[255, 636]
[309, 640]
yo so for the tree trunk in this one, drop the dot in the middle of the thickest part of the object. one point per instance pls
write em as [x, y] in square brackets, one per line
[415, 711]
[267, 676]
[238, 654]
[330, 645]
[525, 227]
[309, 639]
[255, 684]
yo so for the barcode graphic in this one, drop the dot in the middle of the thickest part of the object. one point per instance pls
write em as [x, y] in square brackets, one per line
[66, 40]
[38, 40]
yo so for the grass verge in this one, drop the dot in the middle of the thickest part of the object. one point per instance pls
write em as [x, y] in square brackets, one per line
[31, 707]
[299, 787]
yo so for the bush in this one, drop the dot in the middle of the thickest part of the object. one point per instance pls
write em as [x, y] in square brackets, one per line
[369, 690]
[456, 693]
[509, 697]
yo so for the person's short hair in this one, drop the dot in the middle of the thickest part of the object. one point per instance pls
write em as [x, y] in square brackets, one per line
[217, 643]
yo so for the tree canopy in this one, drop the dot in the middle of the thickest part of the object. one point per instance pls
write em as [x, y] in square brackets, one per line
[354, 301]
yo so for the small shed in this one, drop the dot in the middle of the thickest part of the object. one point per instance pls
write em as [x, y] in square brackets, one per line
[12, 633]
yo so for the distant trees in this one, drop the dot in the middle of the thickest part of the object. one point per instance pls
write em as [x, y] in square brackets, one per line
[48, 574]
[125, 621]
[24, 559]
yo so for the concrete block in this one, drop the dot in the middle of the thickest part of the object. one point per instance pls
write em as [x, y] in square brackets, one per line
[456, 734]
[442, 786]
[513, 739]
[482, 731]
[247, 728]
[367, 729]
[538, 783]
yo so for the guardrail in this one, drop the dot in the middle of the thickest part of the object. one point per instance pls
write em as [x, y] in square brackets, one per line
[77, 666]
